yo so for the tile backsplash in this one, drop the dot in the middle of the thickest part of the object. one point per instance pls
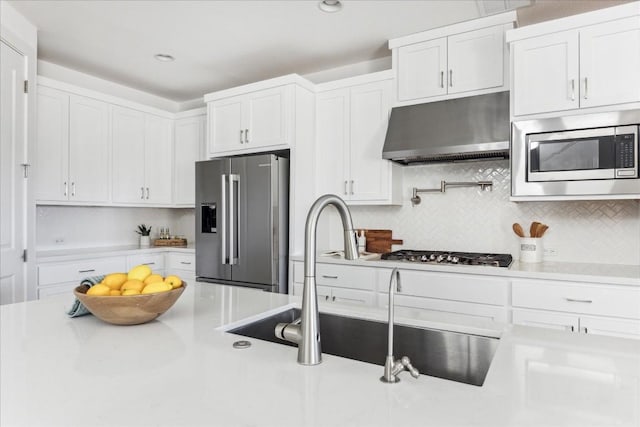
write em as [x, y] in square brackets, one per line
[469, 219]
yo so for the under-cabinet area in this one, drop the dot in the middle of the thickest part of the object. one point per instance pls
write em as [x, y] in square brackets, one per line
[473, 298]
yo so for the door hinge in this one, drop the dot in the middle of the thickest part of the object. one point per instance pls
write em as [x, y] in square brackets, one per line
[26, 169]
[24, 255]
[26, 86]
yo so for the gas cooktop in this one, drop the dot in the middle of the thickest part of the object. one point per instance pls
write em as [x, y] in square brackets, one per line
[445, 257]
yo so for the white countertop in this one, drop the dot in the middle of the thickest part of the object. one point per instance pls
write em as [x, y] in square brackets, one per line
[179, 370]
[105, 251]
[614, 274]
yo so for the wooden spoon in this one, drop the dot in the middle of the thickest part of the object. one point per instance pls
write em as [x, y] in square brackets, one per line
[533, 228]
[541, 230]
[517, 228]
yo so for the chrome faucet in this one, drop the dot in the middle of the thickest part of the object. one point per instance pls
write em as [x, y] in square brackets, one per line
[306, 331]
[393, 367]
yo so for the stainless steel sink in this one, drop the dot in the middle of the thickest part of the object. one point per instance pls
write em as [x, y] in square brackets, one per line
[450, 355]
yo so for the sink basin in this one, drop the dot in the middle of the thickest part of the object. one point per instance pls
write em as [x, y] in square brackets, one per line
[450, 355]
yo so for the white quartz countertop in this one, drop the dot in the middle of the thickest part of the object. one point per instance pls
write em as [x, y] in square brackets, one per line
[614, 274]
[79, 253]
[181, 370]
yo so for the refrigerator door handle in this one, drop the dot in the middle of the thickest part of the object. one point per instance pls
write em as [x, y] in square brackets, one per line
[233, 218]
[223, 219]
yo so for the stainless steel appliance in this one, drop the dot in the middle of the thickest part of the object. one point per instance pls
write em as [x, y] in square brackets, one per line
[446, 257]
[242, 222]
[470, 128]
[592, 154]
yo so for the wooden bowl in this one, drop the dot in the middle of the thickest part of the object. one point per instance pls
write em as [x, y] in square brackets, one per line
[129, 309]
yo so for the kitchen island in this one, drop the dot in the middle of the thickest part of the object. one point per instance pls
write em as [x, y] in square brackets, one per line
[181, 370]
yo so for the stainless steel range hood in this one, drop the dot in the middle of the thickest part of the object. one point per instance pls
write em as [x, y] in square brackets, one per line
[471, 128]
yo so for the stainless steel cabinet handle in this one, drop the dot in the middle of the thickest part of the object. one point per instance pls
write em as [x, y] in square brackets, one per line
[570, 328]
[66, 189]
[86, 271]
[586, 301]
[223, 219]
[585, 330]
[326, 298]
[333, 298]
[246, 136]
[352, 187]
[345, 188]
[147, 193]
[329, 277]
[585, 88]
[450, 78]
[573, 89]
[141, 193]
[241, 138]
[73, 189]
[148, 263]
[441, 78]
[185, 263]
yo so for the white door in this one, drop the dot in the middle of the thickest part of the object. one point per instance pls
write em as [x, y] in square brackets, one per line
[610, 63]
[545, 76]
[612, 327]
[128, 155]
[332, 142]
[189, 136]
[546, 319]
[51, 168]
[369, 115]
[422, 69]
[13, 146]
[88, 150]
[226, 130]
[476, 59]
[157, 159]
[265, 122]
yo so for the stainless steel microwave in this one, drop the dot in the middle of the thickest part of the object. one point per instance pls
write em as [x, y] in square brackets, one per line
[576, 156]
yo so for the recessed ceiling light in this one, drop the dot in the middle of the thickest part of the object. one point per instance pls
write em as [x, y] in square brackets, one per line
[330, 6]
[163, 57]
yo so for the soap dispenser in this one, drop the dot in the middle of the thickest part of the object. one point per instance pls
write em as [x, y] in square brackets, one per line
[362, 242]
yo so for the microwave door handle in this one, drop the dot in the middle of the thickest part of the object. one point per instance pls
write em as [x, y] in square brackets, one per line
[233, 218]
[223, 219]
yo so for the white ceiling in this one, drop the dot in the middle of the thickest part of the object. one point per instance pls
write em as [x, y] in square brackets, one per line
[221, 44]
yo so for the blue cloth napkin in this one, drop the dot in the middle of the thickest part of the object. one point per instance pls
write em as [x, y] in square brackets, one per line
[78, 309]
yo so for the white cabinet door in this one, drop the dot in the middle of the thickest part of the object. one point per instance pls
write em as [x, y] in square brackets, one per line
[265, 118]
[226, 131]
[559, 321]
[188, 143]
[546, 73]
[158, 153]
[332, 142]
[89, 170]
[612, 327]
[128, 129]
[610, 63]
[476, 60]
[52, 154]
[353, 296]
[369, 115]
[422, 69]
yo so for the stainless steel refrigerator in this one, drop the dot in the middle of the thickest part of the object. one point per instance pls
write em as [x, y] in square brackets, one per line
[242, 221]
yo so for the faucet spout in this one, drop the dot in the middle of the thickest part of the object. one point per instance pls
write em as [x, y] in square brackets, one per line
[307, 333]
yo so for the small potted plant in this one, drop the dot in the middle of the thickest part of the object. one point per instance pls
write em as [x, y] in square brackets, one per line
[144, 232]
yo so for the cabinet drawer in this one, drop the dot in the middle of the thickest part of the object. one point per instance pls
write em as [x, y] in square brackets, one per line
[458, 287]
[75, 271]
[154, 261]
[544, 319]
[344, 276]
[181, 262]
[577, 298]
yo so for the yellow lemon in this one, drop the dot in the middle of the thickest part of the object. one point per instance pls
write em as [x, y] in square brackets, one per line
[130, 292]
[153, 278]
[135, 285]
[115, 280]
[174, 281]
[139, 272]
[114, 292]
[154, 287]
[99, 290]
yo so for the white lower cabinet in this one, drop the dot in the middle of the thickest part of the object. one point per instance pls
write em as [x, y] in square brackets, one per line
[155, 261]
[578, 307]
[339, 283]
[182, 265]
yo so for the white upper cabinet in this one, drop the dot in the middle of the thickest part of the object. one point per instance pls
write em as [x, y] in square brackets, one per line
[142, 157]
[351, 122]
[188, 143]
[72, 148]
[250, 122]
[459, 60]
[577, 62]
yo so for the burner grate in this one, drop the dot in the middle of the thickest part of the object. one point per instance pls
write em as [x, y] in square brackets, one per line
[446, 257]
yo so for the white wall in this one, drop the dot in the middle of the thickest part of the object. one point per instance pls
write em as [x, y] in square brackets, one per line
[467, 219]
[84, 227]
[351, 70]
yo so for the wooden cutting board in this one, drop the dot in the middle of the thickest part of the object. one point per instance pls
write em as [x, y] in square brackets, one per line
[380, 241]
